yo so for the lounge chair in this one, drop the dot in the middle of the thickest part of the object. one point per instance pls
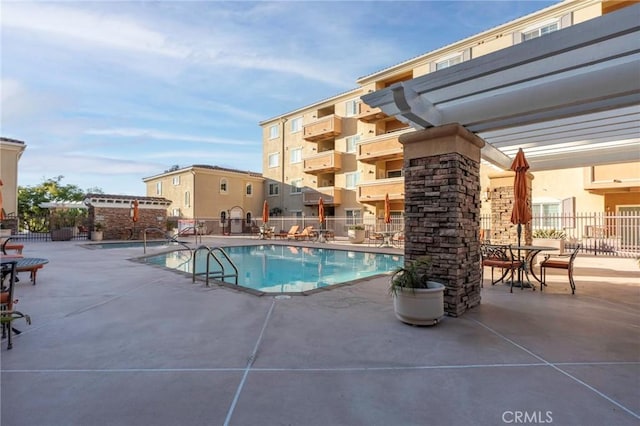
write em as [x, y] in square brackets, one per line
[5, 246]
[290, 235]
[306, 234]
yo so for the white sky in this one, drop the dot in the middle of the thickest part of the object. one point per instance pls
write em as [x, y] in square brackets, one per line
[107, 93]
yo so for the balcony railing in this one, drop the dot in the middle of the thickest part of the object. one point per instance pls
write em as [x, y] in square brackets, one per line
[384, 147]
[369, 192]
[323, 128]
[369, 114]
[330, 196]
[324, 162]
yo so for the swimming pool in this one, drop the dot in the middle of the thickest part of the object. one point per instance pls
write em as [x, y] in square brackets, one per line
[274, 268]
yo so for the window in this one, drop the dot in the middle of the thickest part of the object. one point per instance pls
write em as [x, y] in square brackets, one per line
[175, 212]
[158, 188]
[176, 180]
[249, 190]
[295, 213]
[352, 141]
[540, 31]
[274, 189]
[274, 159]
[448, 62]
[352, 180]
[223, 216]
[394, 173]
[248, 217]
[187, 199]
[296, 155]
[296, 186]
[546, 214]
[223, 186]
[273, 131]
[296, 124]
[353, 216]
[351, 108]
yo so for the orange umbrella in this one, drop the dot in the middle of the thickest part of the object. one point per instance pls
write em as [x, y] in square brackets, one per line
[265, 212]
[136, 214]
[521, 213]
[387, 209]
[1, 206]
[321, 211]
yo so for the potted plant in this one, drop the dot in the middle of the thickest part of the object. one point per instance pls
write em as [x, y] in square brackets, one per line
[417, 300]
[549, 238]
[62, 225]
[356, 234]
[97, 233]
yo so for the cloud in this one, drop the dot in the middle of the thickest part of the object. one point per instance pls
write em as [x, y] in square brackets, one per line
[155, 134]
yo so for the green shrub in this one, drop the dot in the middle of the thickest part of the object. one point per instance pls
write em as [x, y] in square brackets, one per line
[549, 233]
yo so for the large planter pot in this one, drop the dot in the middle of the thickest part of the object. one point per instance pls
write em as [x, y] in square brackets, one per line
[96, 235]
[356, 236]
[64, 234]
[420, 306]
[550, 242]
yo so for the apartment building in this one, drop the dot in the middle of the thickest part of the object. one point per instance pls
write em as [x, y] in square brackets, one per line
[203, 192]
[349, 154]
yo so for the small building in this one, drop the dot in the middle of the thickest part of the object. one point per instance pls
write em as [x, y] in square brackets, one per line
[211, 194]
[10, 152]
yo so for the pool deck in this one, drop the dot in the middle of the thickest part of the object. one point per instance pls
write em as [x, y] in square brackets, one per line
[115, 342]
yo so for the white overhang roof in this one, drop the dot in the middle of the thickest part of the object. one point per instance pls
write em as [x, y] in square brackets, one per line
[569, 99]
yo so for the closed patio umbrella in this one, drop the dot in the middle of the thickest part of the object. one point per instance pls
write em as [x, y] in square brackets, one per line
[521, 213]
[321, 217]
[387, 210]
[1, 206]
[135, 214]
[265, 213]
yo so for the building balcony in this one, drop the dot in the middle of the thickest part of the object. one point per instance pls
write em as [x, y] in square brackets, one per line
[330, 196]
[380, 148]
[326, 127]
[369, 114]
[374, 191]
[324, 162]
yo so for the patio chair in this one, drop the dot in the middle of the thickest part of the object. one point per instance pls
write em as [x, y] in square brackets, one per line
[398, 239]
[374, 237]
[5, 245]
[7, 312]
[289, 235]
[306, 234]
[502, 257]
[559, 261]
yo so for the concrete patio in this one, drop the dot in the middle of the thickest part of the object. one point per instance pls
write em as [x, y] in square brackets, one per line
[115, 342]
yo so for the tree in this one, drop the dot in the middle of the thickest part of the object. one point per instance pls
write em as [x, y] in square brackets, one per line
[34, 217]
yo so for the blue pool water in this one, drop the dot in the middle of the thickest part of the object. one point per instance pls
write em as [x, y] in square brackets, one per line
[287, 269]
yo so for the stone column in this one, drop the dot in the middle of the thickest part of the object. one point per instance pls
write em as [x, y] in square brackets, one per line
[501, 195]
[442, 209]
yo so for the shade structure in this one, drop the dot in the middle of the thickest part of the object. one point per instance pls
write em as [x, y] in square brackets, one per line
[521, 213]
[387, 209]
[265, 212]
[135, 214]
[321, 216]
[1, 206]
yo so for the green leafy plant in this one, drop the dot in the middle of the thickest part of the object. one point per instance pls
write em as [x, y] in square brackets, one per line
[356, 227]
[412, 275]
[98, 226]
[549, 233]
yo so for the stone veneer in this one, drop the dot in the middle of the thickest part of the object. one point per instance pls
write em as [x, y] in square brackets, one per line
[442, 209]
[502, 198]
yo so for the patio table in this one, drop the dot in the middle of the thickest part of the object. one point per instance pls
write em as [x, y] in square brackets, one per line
[527, 262]
[30, 264]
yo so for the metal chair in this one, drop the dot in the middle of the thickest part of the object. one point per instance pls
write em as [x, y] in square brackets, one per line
[559, 261]
[7, 312]
[502, 257]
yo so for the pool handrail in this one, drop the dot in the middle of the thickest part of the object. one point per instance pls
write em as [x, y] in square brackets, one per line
[169, 238]
[211, 253]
